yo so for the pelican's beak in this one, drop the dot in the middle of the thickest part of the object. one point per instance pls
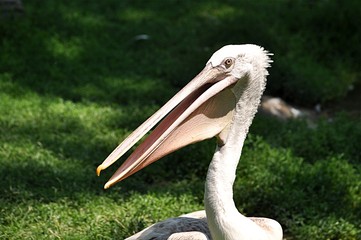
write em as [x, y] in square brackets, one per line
[201, 110]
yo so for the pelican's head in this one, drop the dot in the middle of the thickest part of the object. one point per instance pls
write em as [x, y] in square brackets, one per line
[201, 110]
[238, 60]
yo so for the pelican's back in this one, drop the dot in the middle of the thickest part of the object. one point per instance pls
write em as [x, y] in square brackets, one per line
[191, 226]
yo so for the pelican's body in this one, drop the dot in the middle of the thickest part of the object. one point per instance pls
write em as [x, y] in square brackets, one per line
[194, 226]
[221, 101]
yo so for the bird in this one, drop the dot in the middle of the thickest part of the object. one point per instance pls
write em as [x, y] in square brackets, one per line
[221, 101]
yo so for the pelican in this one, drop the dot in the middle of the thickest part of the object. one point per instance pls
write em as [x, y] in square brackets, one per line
[220, 101]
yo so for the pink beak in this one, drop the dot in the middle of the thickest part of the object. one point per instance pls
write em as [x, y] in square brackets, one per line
[201, 110]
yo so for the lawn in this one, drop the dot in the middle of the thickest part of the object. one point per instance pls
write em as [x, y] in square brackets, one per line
[76, 78]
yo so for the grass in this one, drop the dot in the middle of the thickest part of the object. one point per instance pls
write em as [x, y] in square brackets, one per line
[74, 82]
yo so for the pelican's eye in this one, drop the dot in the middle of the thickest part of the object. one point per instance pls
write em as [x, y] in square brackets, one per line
[228, 62]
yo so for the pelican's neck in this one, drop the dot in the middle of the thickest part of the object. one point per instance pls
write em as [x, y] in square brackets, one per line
[224, 220]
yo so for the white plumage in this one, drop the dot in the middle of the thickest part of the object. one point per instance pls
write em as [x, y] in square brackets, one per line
[220, 101]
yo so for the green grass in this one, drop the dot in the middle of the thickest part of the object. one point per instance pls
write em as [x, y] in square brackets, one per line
[74, 83]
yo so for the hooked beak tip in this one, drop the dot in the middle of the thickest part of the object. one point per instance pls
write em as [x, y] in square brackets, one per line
[99, 169]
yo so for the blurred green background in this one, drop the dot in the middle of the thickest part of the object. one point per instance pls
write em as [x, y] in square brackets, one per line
[76, 77]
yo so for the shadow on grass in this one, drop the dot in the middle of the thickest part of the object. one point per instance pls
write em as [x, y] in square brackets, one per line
[89, 51]
[84, 52]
